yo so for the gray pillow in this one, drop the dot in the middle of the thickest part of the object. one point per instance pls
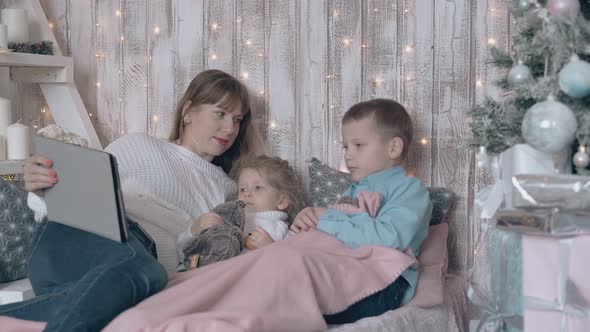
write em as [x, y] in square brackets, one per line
[17, 228]
[326, 186]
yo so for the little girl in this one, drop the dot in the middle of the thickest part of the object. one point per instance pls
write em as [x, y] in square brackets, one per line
[269, 197]
[269, 187]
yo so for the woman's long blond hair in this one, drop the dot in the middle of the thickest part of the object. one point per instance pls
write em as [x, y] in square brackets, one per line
[217, 87]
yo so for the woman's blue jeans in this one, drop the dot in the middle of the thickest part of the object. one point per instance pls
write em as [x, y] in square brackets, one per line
[83, 281]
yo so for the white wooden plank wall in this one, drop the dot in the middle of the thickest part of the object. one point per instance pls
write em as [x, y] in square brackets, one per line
[305, 62]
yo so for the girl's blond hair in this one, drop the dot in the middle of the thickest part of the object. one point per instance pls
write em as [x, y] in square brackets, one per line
[281, 176]
[217, 87]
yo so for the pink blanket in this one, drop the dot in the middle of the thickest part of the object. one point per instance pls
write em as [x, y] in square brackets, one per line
[283, 287]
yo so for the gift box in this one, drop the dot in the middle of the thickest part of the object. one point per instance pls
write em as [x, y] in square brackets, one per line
[545, 221]
[505, 258]
[567, 192]
[524, 159]
[556, 283]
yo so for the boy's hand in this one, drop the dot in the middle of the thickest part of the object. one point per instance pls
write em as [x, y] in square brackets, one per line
[205, 221]
[258, 238]
[307, 219]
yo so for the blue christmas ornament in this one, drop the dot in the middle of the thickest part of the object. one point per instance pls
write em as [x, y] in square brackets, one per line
[574, 78]
[549, 126]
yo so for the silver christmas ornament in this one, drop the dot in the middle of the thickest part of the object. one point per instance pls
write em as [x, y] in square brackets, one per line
[549, 126]
[581, 158]
[519, 75]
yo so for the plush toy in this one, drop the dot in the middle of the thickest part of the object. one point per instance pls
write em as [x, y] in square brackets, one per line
[220, 242]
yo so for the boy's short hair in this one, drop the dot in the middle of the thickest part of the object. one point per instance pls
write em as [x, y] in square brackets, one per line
[281, 176]
[390, 117]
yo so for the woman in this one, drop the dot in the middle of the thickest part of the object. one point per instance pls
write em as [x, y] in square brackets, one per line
[83, 281]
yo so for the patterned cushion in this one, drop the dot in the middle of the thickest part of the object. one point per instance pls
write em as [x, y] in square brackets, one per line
[327, 184]
[17, 227]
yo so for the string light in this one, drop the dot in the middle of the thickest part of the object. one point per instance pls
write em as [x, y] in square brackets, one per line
[118, 12]
[122, 131]
[376, 9]
[331, 106]
[155, 118]
[364, 46]
[261, 54]
[98, 84]
[43, 110]
[215, 26]
[346, 41]
[405, 10]
[35, 126]
[262, 92]
[335, 13]
[377, 81]
[491, 41]
[90, 114]
[97, 25]
[409, 48]
[51, 24]
[157, 30]
[248, 42]
[122, 38]
[479, 83]
[213, 56]
[273, 124]
[245, 75]
[423, 141]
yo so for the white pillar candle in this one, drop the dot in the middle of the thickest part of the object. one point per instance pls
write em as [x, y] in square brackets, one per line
[18, 140]
[17, 24]
[5, 121]
[3, 36]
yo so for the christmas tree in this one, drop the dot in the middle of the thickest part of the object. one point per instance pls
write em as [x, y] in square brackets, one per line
[546, 99]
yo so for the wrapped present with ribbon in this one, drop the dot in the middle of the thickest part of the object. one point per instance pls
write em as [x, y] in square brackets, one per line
[519, 159]
[501, 302]
[566, 192]
[556, 283]
[551, 221]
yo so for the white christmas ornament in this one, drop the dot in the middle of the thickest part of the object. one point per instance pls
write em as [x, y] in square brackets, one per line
[581, 158]
[520, 7]
[549, 126]
[574, 78]
[519, 75]
[481, 158]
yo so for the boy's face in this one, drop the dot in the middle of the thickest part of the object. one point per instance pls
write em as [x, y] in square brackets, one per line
[366, 150]
[258, 194]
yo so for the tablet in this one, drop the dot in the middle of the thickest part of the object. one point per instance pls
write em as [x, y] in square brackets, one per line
[87, 195]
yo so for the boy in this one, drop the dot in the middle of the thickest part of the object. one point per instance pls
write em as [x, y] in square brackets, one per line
[376, 138]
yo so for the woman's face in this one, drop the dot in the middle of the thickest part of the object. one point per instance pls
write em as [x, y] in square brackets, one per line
[211, 130]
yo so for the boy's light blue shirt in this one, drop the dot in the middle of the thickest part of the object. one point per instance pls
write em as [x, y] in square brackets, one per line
[402, 220]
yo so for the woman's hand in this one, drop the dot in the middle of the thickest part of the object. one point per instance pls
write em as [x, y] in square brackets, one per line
[38, 174]
[307, 219]
[205, 221]
[257, 239]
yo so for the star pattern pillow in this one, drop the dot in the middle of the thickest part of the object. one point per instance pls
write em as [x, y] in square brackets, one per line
[17, 227]
[326, 186]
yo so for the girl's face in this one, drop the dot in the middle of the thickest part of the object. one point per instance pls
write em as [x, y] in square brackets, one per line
[210, 130]
[258, 194]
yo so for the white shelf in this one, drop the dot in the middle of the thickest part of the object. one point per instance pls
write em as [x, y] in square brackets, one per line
[15, 59]
[38, 68]
[11, 167]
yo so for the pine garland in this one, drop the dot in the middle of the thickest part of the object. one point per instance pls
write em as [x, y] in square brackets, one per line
[44, 47]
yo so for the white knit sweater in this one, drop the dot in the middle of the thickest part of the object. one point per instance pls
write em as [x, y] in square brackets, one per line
[168, 171]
